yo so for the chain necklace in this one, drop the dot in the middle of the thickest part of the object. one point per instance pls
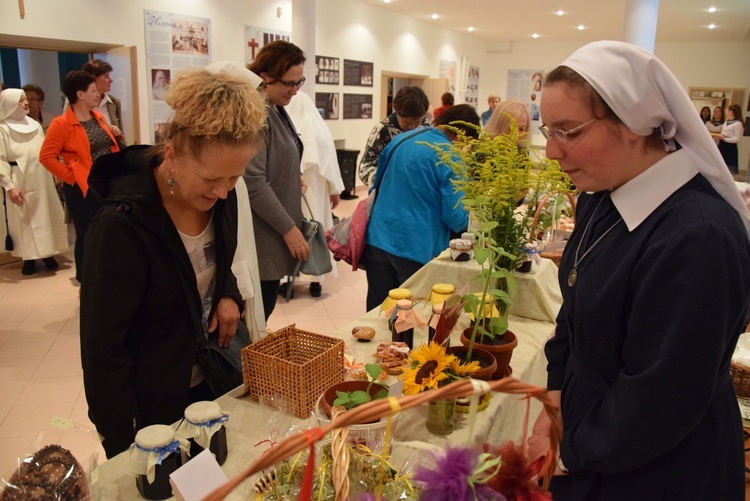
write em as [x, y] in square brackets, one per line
[573, 275]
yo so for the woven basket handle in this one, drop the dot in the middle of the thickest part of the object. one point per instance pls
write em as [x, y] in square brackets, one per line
[377, 409]
[540, 208]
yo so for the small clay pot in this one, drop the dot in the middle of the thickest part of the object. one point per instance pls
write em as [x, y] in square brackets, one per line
[487, 363]
[502, 350]
[330, 394]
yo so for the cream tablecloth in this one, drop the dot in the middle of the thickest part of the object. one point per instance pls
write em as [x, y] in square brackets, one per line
[538, 297]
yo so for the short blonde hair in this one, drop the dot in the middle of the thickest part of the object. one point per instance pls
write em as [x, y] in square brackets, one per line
[499, 122]
[213, 108]
[493, 96]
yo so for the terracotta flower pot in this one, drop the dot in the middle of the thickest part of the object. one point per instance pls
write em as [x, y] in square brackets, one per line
[330, 394]
[502, 352]
[487, 363]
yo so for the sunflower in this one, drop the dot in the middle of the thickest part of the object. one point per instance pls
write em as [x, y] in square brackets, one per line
[463, 370]
[428, 368]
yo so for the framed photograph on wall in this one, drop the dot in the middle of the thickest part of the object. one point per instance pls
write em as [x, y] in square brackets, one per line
[328, 105]
[357, 106]
[326, 70]
[359, 73]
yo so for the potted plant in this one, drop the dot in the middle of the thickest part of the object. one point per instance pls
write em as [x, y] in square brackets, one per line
[350, 394]
[501, 186]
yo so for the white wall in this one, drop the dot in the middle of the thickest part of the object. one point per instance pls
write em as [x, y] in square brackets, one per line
[353, 30]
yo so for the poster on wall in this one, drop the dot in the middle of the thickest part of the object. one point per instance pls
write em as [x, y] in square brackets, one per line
[526, 86]
[326, 70]
[173, 42]
[358, 73]
[448, 70]
[472, 87]
[327, 104]
[357, 106]
[256, 37]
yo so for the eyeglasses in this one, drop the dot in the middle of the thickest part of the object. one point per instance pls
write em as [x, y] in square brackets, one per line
[296, 85]
[562, 136]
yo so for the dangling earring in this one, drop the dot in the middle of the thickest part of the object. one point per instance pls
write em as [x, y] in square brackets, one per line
[170, 183]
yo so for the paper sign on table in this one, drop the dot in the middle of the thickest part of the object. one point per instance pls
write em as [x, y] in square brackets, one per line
[197, 478]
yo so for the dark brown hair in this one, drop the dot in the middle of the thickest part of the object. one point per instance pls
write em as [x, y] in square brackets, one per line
[97, 67]
[33, 88]
[74, 81]
[460, 113]
[275, 59]
[737, 111]
[411, 102]
[447, 98]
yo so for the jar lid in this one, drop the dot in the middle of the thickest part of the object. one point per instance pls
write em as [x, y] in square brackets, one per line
[404, 304]
[443, 288]
[487, 299]
[203, 412]
[461, 245]
[399, 294]
[156, 435]
[437, 308]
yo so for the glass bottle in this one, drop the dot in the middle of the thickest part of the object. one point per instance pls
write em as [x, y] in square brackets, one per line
[404, 314]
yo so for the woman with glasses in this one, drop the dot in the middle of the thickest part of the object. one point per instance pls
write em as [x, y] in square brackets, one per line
[655, 282]
[273, 178]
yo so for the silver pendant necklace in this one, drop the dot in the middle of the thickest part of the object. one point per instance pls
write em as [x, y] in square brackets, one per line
[573, 275]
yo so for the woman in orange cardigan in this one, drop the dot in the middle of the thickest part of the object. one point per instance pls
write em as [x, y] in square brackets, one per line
[79, 137]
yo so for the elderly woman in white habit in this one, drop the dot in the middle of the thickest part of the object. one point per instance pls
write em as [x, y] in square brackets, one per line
[35, 216]
[320, 169]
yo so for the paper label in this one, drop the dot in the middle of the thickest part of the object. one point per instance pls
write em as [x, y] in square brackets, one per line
[61, 422]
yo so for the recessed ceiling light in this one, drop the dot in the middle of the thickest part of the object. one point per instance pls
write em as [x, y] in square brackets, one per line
[387, 1]
[712, 9]
[560, 12]
[535, 35]
[471, 28]
[711, 26]
[434, 16]
[580, 27]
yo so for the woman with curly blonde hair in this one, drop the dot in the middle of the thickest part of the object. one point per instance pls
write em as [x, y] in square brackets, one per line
[158, 257]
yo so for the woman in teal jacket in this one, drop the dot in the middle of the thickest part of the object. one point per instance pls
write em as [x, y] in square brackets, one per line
[416, 207]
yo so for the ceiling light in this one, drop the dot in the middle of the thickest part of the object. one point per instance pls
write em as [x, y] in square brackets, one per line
[535, 35]
[560, 12]
[711, 26]
[580, 27]
[471, 28]
[434, 16]
[387, 1]
[712, 9]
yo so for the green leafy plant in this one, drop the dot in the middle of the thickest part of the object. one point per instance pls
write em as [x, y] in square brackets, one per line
[351, 399]
[496, 174]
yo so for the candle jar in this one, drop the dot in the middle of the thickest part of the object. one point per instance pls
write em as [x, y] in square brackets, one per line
[154, 456]
[394, 295]
[402, 329]
[204, 428]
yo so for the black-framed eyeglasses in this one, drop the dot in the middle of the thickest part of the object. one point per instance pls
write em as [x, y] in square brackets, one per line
[563, 136]
[296, 85]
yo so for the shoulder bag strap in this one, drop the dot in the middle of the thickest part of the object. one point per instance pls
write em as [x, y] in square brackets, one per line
[388, 161]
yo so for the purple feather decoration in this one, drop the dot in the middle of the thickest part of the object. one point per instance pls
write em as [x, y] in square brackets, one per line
[449, 480]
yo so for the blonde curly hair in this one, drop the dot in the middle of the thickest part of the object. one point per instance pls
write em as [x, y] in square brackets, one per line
[213, 108]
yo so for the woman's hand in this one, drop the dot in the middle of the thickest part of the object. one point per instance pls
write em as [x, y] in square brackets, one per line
[335, 199]
[116, 131]
[539, 441]
[297, 244]
[16, 196]
[225, 317]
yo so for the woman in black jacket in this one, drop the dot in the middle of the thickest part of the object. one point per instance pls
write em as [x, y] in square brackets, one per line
[160, 252]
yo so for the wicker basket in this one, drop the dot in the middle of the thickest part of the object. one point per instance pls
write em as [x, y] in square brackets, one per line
[555, 256]
[297, 364]
[741, 380]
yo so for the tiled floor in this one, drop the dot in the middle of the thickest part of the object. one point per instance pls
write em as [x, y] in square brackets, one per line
[40, 368]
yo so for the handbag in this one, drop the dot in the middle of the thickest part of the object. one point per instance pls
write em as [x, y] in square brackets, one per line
[319, 260]
[222, 366]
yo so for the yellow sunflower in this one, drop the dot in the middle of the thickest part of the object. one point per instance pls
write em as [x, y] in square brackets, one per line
[427, 368]
[463, 370]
